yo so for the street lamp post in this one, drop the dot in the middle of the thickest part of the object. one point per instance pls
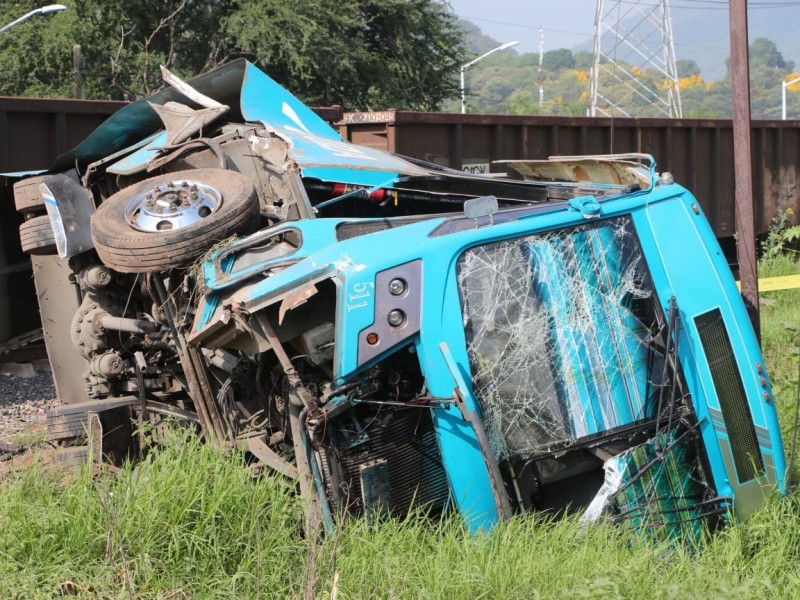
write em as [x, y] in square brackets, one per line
[472, 62]
[51, 8]
[784, 85]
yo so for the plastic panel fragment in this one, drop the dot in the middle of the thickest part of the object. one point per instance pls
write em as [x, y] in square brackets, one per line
[660, 488]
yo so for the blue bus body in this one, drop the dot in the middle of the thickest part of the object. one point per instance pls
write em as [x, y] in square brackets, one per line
[577, 340]
[393, 334]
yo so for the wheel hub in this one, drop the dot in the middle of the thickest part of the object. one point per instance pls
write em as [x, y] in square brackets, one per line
[172, 205]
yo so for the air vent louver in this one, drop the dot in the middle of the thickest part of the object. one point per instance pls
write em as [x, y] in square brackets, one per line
[732, 399]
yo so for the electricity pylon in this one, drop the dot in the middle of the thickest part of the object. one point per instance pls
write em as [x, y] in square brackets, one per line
[634, 72]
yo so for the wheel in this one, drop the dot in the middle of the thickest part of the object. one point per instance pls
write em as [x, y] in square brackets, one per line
[166, 221]
[27, 198]
[36, 236]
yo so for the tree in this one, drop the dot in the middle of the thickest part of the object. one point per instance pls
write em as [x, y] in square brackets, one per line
[35, 55]
[122, 44]
[764, 53]
[414, 50]
[475, 41]
[521, 102]
[362, 54]
[687, 68]
[584, 60]
[555, 60]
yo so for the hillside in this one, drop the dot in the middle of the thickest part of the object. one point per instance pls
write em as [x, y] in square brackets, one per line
[508, 82]
[702, 35]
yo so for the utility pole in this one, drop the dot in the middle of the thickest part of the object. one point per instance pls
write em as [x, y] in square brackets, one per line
[541, 73]
[742, 166]
[76, 72]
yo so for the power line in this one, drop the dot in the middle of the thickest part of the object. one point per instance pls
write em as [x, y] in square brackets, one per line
[536, 27]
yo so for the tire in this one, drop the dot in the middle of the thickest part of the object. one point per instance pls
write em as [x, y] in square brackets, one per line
[129, 249]
[27, 198]
[36, 236]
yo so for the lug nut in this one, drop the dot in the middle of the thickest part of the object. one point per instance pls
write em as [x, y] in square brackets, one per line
[397, 286]
[396, 317]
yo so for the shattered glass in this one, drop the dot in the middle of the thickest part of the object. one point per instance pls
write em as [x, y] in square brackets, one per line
[558, 328]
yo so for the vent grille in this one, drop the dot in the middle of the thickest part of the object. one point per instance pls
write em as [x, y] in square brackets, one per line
[404, 442]
[350, 229]
[732, 399]
[346, 231]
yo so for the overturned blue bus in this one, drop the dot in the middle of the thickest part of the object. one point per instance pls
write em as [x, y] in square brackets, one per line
[393, 334]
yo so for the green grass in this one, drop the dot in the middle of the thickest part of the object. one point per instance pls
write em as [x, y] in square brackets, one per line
[190, 522]
[187, 518]
[780, 336]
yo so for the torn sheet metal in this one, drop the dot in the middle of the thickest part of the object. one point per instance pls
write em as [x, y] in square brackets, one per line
[622, 169]
[182, 122]
[315, 147]
[138, 120]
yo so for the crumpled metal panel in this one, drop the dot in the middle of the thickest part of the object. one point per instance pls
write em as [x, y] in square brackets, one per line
[619, 169]
[256, 98]
[138, 120]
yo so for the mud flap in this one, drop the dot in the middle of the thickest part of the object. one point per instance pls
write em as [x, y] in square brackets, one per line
[70, 210]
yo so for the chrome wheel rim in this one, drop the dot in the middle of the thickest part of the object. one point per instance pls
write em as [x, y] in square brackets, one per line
[172, 205]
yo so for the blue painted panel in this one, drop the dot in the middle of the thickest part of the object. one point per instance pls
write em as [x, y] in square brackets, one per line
[686, 262]
[134, 162]
[263, 99]
[373, 179]
[314, 143]
[442, 320]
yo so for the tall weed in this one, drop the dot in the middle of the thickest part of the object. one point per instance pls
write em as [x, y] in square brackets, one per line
[190, 522]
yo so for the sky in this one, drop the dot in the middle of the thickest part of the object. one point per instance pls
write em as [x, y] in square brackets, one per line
[566, 23]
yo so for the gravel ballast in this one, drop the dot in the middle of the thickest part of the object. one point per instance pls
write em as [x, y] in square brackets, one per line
[24, 402]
